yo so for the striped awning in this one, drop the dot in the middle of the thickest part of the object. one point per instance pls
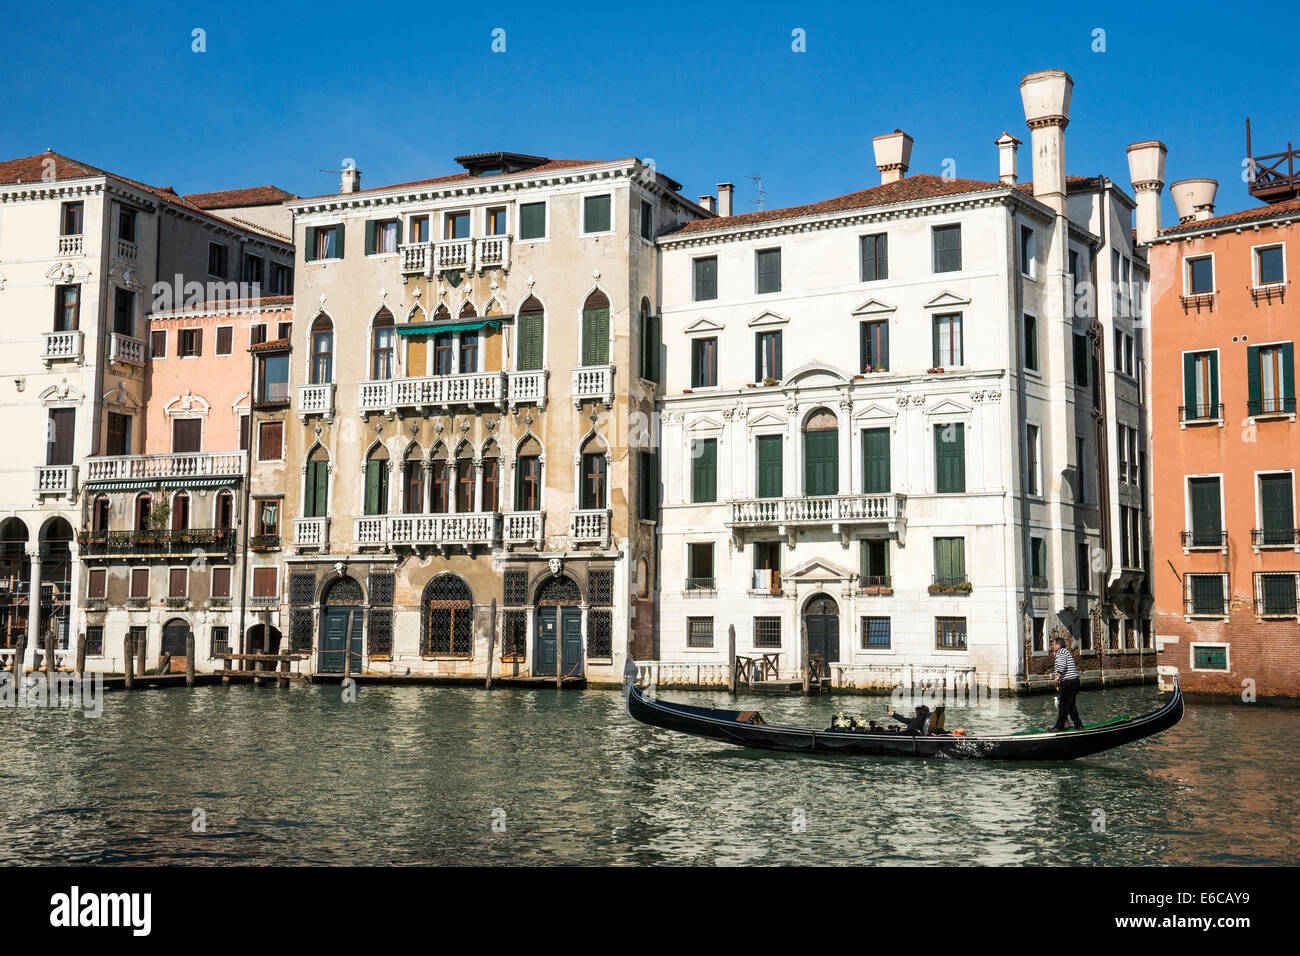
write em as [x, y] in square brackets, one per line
[432, 328]
[145, 485]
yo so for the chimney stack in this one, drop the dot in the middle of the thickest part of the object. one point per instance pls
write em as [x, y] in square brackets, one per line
[1045, 96]
[351, 180]
[1194, 198]
[893, 154]
[1146, 169]
[709, 203]
[725, 193]
[1007, 145]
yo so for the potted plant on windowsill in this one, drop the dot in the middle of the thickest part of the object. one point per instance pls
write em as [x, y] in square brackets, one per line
[934, 371]
[962, 587]
[770, 382]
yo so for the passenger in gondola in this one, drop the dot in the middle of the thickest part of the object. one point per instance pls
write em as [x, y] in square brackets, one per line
[918, 724]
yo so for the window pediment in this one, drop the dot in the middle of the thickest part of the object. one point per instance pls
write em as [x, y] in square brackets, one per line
[703, 326]
[874, 307]
[948, 300]
[769, 320]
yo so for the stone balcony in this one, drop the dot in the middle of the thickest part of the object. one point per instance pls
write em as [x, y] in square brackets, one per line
[178, 465]
[590, 526]
[463, 255]
[524, 529]
[473, 389]
[316, 400]
[127, 250]
[528, 387]
[72, 245]
[841, 514]
[593, 383]
[441, 531]
[56, 480]
[311, 533]
[62, 347]
[125, 349]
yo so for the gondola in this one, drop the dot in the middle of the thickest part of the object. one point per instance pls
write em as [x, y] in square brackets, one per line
[746, 729]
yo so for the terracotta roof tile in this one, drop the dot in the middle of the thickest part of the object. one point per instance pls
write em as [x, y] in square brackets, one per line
[909, 189]
[1277, 210]
[231, 305]
[274, 345]
[229, 198]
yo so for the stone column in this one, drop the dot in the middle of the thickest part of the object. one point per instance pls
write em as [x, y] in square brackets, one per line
[33, 608]
[478, 484]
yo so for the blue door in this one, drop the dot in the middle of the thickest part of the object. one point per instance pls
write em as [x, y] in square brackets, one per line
[334, 624]
[564, 623]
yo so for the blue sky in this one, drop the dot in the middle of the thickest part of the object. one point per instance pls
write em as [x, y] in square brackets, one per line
[712, 94]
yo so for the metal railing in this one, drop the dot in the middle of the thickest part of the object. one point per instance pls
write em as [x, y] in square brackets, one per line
[1277, 593]
[183, 542]
[1275, 537]
[1200, 413]
[1206, 595]
[1276, 405]
[1196, 540]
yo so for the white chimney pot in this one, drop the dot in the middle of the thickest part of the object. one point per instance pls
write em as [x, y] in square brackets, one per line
[893, 155]
[726, 192]
[1194, 198]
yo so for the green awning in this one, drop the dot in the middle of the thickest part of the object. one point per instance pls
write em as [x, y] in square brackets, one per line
[428, 328]
[147, 485]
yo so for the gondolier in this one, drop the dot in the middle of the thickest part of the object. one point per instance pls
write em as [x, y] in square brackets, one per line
[1067, 685]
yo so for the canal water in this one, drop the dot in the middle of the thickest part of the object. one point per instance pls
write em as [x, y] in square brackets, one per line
[448, 775]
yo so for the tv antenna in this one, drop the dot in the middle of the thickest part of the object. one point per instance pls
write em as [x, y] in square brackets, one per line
[758, 188]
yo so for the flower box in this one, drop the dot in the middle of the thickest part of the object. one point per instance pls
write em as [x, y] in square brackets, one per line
[963, 588]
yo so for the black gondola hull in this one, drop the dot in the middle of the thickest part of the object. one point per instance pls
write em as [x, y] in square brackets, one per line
[729, 727]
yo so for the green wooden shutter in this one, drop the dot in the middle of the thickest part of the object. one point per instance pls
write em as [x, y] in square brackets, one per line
[338, 241]
[704, 476]
[875, 461]
[882, 256]
[821, 462]
[1214, 384]
[1288, 376]
[309, 250]
[373, 505]
[950, 458]
[1206, 522]
[1252, 378]
[1189, 384]
[770, 452]
[595, 337]
[370, 237]
[530, 341]
[1275, 508]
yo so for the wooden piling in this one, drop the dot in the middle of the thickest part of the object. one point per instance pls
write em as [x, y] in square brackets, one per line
[803, 651]
[189, 659]
[141, 647]
[731, 659]
[284, 671]
[81, 657]
[347, 647]
[49, 652]
[128, 659]
[492, 641]
[20, 652]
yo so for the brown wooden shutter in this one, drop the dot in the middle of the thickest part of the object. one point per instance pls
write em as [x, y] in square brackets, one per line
[225, 339]
[264, 582]
[187, 435]
[62, 428]
[221, 582]
[97, 582]
[139, 582]
[176, 582]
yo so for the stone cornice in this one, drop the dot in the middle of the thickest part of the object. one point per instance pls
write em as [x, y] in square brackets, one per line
[61, 189]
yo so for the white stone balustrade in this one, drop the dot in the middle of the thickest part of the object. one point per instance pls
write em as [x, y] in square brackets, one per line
[525, 528]
[71, 245]
[127, 250]
[62, 346]
[589, 525]
[311, 532]
[470, 388]
[56, 480]
[593, 382]
[316, 400]
[125, 349]
[494, 252]
[528, 387]
[179, 465]
[834, 509]
[444, 530]
[416, 257]
[453, 254]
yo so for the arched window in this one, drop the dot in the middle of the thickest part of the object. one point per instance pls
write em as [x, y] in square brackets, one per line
[444, 345]
[322, 350]
[315, 492]
[821, 453]
[491, 478]
[468, 340]
[413, 481]
[595, 329]
[181, 512]
[465, 479]
[528, 350]
[440, 479]
[143, 509]
[382, 334]
[592, 478]
[225, 511]
[376, 500]
[648, 366]
[55, 588]
[528, 476]
[99, 516]
[15, 573]
[448, 611]
[417, 347]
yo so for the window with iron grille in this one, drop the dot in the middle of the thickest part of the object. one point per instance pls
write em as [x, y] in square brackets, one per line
[1275, 594]
[514, 633]
[220, 640]
[600, 640]
[94, 641]
[381, 589]
[515, 588]
[302, 587]
[1205, 594]
[876, 633]
[600, 586]
[950, 633]
[448, 611]
[379, 637]
[1209, 657]
[767, 632]
[699, 632]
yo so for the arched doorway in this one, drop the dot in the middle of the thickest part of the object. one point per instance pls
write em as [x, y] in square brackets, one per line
[15, 581]
[341, 618]
[821, 454]
[448, 618]
[821, 616]
[174, 635]
[56, 580]
[559, 623]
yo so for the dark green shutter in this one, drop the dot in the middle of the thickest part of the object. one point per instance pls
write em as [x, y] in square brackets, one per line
[1214, 384]
[309, 251]
[950, 458]
[317, 475]
[374, 506]
[1189, 384]
[1207, 525]
[530, 341]
[532, 221]
[704, 477]
[821, 462]
[875, 461]
[595, 337]
[882, 256]
[370, 237]
[1288, 377]
[770, 452]
[950, 560]
[338, 241]
[1252, 379]
[1275, 508]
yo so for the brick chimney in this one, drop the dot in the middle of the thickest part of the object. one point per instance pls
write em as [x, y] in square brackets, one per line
[351, 181]
[725, 193]
[1146, 170]
[893, 154]
[709, 203]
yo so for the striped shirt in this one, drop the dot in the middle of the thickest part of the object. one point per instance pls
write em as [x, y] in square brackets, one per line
[1065, 665]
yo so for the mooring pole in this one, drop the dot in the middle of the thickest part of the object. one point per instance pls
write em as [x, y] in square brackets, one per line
[81, 657]
[803, 651]
[128, 659]
[731, 659]
[49, 652]
[20, 651]
[347, 647]
[141, 648]
[189, 659]
[492, 642]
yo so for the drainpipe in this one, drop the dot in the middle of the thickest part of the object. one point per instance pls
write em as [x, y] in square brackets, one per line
[1021, 433]
[248, 483]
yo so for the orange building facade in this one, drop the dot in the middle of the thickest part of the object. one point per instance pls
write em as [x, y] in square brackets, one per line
[1226, 448]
